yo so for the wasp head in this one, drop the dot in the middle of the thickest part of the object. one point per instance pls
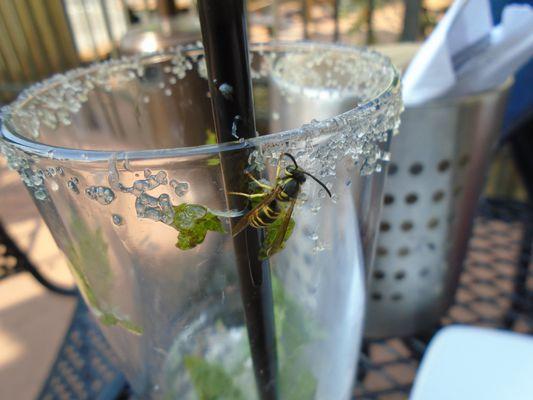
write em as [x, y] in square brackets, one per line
[295, 173]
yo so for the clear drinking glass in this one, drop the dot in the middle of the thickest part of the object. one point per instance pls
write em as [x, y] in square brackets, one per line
[122, 162]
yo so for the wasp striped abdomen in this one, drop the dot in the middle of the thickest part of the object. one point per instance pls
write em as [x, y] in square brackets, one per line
[290, 187]
[266, 215]
[276, 203]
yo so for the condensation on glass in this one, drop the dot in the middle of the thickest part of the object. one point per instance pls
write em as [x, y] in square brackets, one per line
[110, 153]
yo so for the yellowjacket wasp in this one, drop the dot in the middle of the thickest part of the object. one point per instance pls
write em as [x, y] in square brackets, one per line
[268, 210]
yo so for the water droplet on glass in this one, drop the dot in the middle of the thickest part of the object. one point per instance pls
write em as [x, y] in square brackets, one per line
[234, 126]
[36, 180]
[161, 177]
[180, 188]
[72, 184]
[101, 194]
[318, 247]
[315, 209]
[126, 165]
[167, 209]
[113, 176]
[226, 90]
[313, 235]
[146, 206]
[40, 194]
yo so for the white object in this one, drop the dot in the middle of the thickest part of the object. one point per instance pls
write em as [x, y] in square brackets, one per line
[510, 46]
[431, 72]
[465, 54]
[468, 363]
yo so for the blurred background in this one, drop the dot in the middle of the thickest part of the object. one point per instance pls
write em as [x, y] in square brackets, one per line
[43, 37]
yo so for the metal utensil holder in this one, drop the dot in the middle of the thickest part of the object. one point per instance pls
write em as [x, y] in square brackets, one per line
[436, 175]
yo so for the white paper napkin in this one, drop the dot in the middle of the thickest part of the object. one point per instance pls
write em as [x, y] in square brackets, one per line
[467, 54]
[510, 47]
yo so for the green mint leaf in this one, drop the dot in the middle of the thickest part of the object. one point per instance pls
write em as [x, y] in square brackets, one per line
[193, 221]
[109, 319]
[294, 330]
[210, 380]
[213, 161]
[89, 264]
[297, 383]
[210, 137]
[188, 239]
[272, 230]
[130, 326]
[270, 235]
[186, 216]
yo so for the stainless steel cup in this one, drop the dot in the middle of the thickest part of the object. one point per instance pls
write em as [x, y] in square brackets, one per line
[439, 161]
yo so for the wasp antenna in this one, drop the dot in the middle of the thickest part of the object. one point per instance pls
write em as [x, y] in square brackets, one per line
[291, 157]
[319, 182]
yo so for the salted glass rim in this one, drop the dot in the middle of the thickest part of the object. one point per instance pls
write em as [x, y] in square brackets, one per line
[9, 132]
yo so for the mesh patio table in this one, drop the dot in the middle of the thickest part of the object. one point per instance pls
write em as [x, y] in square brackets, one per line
[496, 290]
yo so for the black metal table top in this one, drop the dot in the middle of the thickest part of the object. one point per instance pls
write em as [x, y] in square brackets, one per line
[496, 290]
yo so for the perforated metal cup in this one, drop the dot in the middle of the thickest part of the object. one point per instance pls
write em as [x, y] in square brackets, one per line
[439, 161]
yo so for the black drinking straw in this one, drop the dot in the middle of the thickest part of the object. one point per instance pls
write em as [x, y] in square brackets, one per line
[223, 25]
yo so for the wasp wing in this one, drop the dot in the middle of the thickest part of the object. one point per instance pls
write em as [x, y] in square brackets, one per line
[280, 236]
[245, 221]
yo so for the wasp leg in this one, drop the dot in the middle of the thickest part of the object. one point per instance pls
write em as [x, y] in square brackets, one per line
[259, 183]
[250, 196]
[278, 168]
